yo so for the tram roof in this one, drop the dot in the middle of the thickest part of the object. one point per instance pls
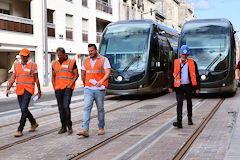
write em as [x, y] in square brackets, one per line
[224, 20]
[149, 21]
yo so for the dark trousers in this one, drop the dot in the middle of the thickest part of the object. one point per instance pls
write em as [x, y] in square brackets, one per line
[23, 101]
[187, 89]
[64, 100]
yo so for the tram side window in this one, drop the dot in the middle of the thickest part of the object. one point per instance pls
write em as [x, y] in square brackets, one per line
[164, 54]
[155, 54]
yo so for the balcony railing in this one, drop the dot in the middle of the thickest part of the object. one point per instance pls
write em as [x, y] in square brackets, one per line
[99, 36]
[16, 24]
[69, 33]
[51, 30]
[103, 6]
[85, 36]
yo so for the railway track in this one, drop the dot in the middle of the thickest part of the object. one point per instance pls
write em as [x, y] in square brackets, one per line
[50, 114]
[56, 129]
[110, 139]
[140, 147]
[181, 152]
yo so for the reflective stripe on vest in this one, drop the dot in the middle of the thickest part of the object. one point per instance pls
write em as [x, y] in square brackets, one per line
[96, 72]
[24, 78]
[177, 70]
[65, 75]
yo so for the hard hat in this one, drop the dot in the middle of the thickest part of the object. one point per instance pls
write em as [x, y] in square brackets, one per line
[184, 50]
[24, 52]
[18, 56]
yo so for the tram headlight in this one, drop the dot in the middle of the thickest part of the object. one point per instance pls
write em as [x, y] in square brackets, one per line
[119, 78]
[203, 77]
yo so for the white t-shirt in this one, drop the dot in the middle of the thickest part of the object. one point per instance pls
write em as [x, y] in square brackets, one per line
[105, 66]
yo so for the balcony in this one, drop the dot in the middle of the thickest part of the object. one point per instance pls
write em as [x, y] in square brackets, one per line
[51, 29]
[69, 33]
[16, 24]
[103, 6]
[99, 36]
[85, 36]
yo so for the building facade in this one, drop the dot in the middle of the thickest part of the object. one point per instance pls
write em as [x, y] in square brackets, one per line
[171, 13]
[71, 24]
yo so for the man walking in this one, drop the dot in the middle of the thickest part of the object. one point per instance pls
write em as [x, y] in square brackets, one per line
[64, 76]
[185, 79]
[95, 74]
[26, 75]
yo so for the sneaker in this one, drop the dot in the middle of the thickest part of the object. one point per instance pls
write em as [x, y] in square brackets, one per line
[70, 131]
[62, 130]
[100, 131]
[33, 127]
[83, 132]
[190, 122]
[177, 124]
[18, 134]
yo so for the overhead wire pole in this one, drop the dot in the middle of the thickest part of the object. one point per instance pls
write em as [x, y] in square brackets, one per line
[45, 40]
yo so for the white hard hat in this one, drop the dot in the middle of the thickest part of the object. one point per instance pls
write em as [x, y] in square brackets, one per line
[17, 56]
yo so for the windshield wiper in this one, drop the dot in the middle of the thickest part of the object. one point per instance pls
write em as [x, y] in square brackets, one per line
[134, 59]
[214, 61]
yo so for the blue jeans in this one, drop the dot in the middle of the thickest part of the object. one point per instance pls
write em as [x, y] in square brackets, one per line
[64, 99]
[89, 96]
[23, 101]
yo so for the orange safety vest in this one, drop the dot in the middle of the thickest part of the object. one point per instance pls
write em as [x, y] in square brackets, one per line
[177, 70]
[97, 72]
[25, 78]
[64, 73]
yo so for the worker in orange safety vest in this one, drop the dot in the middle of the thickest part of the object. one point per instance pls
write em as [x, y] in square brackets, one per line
[26, 75]
[185, 79]
[64, 76]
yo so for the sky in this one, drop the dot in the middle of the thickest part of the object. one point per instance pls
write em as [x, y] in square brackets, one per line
[229, 9]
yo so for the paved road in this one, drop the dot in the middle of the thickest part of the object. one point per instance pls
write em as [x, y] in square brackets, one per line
[8, 104]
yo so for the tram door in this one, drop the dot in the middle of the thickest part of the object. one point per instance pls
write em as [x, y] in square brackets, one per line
[159, 61]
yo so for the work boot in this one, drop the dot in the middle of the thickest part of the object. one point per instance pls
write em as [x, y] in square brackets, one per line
[100, 131]
[83, 132]
[177, 124]
[62, 130]
[33, 127]
[70, 131]
[190, 121]
[18, 134]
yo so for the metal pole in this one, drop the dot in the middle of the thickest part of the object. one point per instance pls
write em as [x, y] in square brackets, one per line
[45, 40]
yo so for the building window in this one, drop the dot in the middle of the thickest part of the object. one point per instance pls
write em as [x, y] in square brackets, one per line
[50, 21]
[69, 27]
[85, 3]
[85, 30]
[4, 8]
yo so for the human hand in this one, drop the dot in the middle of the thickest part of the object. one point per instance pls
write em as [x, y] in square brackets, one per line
[8, 92]
[99, 83]
[197, 91]
[170, 90]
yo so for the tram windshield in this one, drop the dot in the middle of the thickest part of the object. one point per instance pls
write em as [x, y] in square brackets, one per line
[208, 43]
[124, 45]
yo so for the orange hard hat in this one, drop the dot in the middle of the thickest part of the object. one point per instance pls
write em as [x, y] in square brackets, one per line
[24, 52]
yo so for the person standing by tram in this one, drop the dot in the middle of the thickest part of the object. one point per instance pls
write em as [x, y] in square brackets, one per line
[64, 76]
[95, 74]
[26, 74]
[185, 79]
[237, 71]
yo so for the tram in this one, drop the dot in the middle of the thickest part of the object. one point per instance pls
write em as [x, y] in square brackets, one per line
[212, 44]
[141, 54]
